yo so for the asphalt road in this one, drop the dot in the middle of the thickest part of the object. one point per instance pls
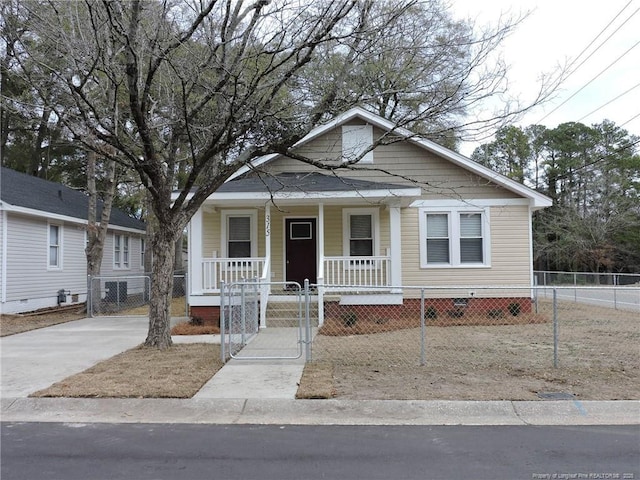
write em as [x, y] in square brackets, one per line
[161, 451]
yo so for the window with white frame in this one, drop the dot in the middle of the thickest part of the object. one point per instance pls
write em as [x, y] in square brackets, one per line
[437, 235]
[456, 237]
[361, 232]
[142, 252]
[355, 140]
[239, 234]
[121, 251]
[55, 247]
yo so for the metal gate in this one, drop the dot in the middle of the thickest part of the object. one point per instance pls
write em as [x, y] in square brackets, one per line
[263, 321]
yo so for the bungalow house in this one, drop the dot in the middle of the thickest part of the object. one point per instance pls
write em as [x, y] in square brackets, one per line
[411, 213]
[43, 239]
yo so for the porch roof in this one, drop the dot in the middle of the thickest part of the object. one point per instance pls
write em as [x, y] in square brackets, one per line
[311, 187]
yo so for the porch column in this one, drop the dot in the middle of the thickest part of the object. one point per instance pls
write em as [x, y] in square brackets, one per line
[195, 253]
[396, 247]
[321, 232]
[267, 234]
[320, 264]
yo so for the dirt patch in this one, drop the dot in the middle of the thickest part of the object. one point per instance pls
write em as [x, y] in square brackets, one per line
[142, 372]
[12, 324]
[598, 359]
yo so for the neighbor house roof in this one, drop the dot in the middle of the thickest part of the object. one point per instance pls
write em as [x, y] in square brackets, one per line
[537, 199]
[34, 195]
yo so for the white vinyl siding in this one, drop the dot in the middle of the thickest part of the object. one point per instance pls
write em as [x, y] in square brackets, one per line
[28, 274]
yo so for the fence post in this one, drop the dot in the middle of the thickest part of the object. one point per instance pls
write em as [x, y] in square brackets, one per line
[243, 313]
[222, 323]
[422, 330]
[555, 327]
[307, 326]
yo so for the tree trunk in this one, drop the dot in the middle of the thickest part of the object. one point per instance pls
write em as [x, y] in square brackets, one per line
[163, 251]
[97, 231]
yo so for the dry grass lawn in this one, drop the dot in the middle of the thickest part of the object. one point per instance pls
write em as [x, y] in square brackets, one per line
[317, 382]
[598, 359]
[142, 372]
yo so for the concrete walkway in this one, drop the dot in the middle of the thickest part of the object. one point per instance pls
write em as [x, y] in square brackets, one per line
[244, 391]
[266, 368]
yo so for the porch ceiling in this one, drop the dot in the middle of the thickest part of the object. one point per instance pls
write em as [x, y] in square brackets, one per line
[311, 188]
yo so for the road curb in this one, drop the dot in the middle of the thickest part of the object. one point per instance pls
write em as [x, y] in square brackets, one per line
[320, 412]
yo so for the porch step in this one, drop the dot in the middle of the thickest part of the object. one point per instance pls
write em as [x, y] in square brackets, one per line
[286, 314]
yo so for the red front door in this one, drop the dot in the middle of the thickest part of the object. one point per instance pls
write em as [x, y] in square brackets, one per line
[301, 250]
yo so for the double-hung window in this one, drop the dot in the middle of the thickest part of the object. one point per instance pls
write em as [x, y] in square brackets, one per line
[239, 234]
[55, 247]
[456, 237]
[239, 243]
[471, 239]
[361, 232]
[121, 251]
[438, 238]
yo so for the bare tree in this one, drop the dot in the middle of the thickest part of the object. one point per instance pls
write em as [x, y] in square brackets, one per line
[202, 87]
[97, 230]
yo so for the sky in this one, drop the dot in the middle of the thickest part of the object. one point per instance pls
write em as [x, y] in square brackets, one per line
[555, 33]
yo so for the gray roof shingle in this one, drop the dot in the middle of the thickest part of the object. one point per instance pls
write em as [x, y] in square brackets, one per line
[302, 182]
[26, 191]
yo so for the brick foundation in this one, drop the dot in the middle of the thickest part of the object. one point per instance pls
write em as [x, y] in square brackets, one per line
[443, 306]
[209, 315]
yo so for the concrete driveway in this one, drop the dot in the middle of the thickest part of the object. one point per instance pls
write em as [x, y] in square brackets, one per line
[34, 360]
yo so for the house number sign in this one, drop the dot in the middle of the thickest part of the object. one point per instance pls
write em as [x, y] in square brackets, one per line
[267, 225]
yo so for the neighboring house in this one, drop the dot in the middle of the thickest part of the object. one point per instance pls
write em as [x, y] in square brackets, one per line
[435, 219]
[43, 239]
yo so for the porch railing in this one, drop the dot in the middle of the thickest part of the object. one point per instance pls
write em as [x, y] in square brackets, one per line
[230, 270]
[346, 272]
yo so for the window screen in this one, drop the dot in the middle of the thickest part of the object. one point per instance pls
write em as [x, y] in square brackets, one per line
[438, 238]
[471, 238]
[54, 245]
[239, 233]
[360, 235]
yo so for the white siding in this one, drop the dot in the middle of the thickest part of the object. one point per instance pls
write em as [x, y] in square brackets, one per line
[29, 283]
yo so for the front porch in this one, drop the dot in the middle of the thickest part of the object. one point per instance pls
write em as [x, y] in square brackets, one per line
[342, 242]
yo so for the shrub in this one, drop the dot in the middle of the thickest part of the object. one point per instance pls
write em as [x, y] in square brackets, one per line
[457, 313]
[514, 309]
[430, 313]
[349, 319]
[196, 321]
[497, 313]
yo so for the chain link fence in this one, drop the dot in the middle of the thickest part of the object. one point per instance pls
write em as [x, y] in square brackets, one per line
[487, 339]
[548, 278]
[129, 295]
